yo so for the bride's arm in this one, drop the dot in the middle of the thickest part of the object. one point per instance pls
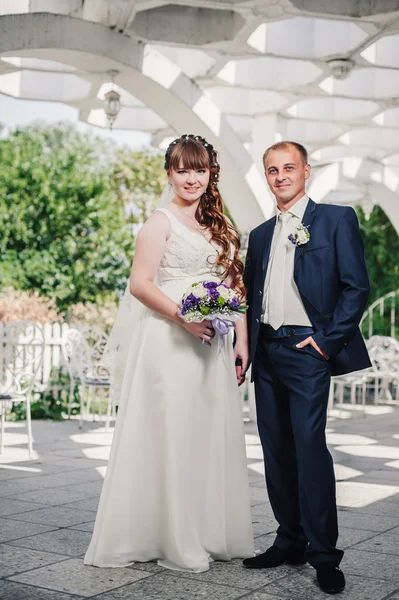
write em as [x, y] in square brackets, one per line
[241, 348]
[150, 248]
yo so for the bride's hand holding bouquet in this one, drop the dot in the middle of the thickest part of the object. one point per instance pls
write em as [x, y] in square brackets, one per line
[208, 308]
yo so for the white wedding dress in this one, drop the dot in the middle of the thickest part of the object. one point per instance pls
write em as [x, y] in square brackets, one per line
[176, 487]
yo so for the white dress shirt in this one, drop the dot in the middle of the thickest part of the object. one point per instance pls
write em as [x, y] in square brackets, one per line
[294, 311]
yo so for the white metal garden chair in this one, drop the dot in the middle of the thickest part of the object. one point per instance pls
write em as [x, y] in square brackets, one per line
[82, 351]
[21, 348]
[381, 380]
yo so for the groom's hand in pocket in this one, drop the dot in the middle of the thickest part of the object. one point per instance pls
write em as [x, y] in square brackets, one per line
[311, 341]
[241, 356]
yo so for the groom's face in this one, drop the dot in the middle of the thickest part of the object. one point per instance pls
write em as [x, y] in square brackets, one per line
[286, 174]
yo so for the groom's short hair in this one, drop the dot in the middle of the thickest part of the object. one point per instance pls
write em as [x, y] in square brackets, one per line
[284, 145]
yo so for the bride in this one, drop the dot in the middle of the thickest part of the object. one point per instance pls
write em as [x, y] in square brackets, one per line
[176, 487]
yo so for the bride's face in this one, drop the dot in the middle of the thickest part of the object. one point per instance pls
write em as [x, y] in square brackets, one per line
[189, 184]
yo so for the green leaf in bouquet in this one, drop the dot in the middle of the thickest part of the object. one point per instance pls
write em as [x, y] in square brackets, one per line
[194, 284]
[221, 301]
[205, 310]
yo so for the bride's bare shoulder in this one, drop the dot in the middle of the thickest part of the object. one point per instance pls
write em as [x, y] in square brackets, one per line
[158, 224]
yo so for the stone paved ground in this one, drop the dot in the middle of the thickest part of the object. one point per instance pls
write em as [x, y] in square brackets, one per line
[47, 508]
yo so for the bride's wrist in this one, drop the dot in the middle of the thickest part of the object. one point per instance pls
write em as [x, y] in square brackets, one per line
[176, 318]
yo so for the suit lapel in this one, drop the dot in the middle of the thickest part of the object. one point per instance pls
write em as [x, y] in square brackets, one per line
[307, 220]
[267, 243]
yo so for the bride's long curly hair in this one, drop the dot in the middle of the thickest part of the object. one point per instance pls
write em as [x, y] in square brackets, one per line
[194, 152]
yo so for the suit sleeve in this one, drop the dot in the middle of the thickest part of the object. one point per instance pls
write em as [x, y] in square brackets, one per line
[248, 268]
[248, 282]
[354, 284]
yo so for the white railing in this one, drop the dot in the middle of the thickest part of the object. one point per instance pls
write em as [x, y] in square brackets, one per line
[384, 307]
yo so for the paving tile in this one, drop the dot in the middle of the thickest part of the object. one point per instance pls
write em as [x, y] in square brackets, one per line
[349, 537]
[63, 541]
[264, 596]
[362, 493]
[56, 515]
[90, 488]
[54, 496]
[263, 524]
[303, 586]
[10, 590]
[88, 504]
[85, 526]
[385, 475]
[384, 508]
[385, 543]
[32, 468]
[371, 564]
[73, 577]
[150, 567]
[11, 507]
[10, 472]
[16, 560]
[263, 510]
[63, 462]
[12, 530]
[259, 484]
[89, 473]
[70, 478]
[258, 495]
[263, 542]
[234, 574]
[356, 520]
[16, 486]
[169, 587]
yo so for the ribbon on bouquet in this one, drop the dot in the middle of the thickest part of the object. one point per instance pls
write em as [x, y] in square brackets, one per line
[222, 328]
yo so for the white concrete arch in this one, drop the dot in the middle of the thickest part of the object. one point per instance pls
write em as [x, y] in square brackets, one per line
[92, 49]
[359, 181]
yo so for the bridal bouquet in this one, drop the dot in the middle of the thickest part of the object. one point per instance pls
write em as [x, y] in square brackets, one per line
[212, 301]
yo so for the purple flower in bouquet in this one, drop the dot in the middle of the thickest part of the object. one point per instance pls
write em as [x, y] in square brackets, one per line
[213, 293]
[190, 303]
[235, 303]
[210, 284]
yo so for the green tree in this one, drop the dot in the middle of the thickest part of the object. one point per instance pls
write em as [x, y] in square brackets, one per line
[66, 202]
[381, 244]
[137, 180]
[60, 233]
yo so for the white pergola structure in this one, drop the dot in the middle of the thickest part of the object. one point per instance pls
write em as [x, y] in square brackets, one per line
[243, 73]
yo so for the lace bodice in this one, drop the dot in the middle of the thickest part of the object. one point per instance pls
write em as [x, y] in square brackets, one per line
[188, 254]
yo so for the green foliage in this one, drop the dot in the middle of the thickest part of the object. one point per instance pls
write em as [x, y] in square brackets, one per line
[137, 180]
[67, 206]
[41, 408]
[381, 243]
[50, 403]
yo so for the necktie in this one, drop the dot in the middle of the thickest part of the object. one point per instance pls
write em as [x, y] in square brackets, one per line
[277, 273]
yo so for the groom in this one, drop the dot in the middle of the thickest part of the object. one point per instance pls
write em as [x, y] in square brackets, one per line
[307, 289]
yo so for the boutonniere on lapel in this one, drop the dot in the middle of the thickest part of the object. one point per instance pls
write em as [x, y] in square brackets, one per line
[300, 235]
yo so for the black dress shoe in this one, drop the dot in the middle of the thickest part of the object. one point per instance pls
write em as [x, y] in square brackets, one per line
[331, 579]
[274, 557]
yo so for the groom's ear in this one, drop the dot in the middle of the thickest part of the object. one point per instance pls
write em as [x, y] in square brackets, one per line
[308, 169]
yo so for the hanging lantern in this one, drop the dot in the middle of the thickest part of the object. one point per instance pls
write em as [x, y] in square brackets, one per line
[367, 205]
[112, 106]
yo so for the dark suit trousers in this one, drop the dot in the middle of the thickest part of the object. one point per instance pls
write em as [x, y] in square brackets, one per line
[292, 388]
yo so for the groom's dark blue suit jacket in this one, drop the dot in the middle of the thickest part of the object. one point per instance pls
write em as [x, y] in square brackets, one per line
[332, 280]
